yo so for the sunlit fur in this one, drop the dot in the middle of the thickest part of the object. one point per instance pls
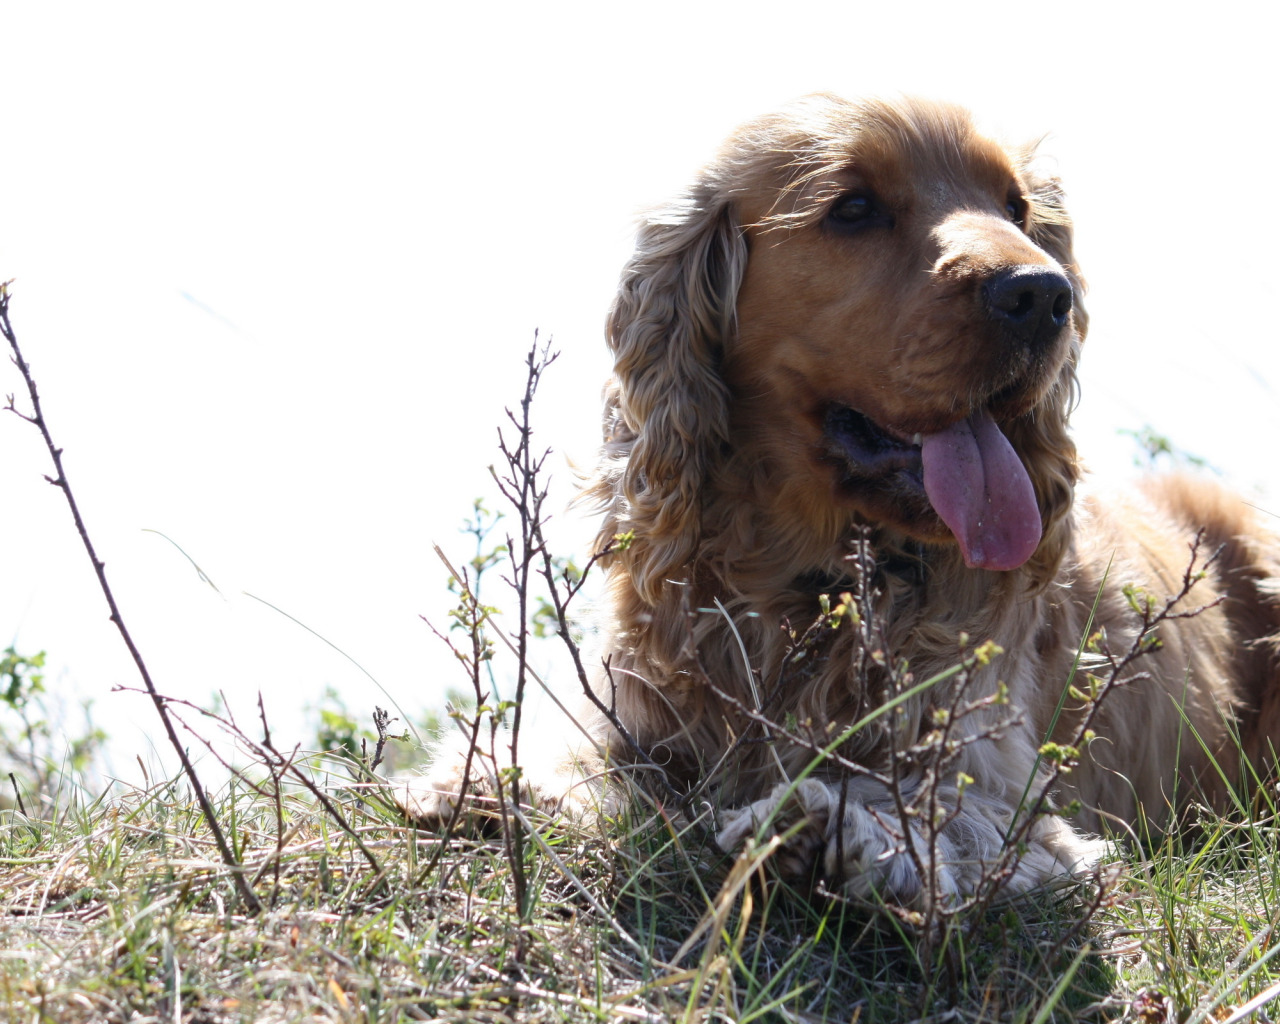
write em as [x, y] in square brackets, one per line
[736, 312]
[740, 316]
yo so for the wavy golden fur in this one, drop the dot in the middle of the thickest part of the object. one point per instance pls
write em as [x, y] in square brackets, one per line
[855, 305]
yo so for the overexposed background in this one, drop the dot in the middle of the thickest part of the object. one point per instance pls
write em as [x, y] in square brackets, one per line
[276, 267]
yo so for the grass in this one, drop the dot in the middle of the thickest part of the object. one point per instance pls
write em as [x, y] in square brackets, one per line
[295, 891]
[124, 910]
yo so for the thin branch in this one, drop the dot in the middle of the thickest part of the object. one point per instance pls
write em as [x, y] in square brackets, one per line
[60, 481]
[381, 719]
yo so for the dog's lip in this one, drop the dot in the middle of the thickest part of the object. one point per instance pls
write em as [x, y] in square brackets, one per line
[967, 471]
[867, 445]
[913, 437]
[901, 436]
[1003, 406]
[843, 417]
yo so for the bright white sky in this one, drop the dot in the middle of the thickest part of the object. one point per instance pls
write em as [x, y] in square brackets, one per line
[276, 267]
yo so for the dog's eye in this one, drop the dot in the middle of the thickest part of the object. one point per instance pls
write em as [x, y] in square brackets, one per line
[1015, 208]
[852, 208]
[856, 210]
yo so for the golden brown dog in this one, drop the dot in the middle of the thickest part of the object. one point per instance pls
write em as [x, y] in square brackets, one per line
[861, 324]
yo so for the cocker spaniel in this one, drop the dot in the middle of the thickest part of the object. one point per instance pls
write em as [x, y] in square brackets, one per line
[844, 363]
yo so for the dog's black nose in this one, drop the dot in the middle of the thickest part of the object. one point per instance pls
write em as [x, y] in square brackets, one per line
[1030, 301]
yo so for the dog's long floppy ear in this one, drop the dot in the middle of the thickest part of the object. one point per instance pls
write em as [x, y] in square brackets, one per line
[1043, 437]
[667, 408]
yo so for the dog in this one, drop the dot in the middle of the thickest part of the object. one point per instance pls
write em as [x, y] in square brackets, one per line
[844, 362]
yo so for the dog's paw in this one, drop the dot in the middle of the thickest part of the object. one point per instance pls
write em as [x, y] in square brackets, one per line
[857, 849]
[870, 855]
[550, 784]
[862, 847]
[796, 813]
[431, 800]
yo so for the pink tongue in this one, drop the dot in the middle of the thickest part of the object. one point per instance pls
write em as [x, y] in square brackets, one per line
[977, 484]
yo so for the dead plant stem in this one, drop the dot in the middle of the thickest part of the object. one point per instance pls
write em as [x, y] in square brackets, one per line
[60, 481]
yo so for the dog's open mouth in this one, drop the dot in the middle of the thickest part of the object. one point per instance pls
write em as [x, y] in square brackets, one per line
[969, 472]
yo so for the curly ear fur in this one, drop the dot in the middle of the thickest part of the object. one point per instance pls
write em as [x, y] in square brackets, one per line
[667, 408]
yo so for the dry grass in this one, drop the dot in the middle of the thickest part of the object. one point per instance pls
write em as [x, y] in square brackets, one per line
[125, 911]
[297, 892]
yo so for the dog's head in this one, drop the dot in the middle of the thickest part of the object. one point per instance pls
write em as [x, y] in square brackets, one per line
[873, 308]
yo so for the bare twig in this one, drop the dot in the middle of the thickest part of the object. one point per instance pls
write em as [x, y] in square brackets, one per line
[277, 763]
[37, 419]
[381, 719]
[17, 794]
[525, 491]
[472, 615]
